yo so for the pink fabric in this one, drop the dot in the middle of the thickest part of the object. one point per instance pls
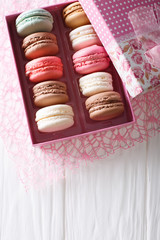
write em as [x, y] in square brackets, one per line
[145, 26]
[153, 56]
[38, 166]
[147, 30]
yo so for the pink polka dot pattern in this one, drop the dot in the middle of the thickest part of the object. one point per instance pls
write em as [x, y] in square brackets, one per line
[114, 13]
[157, 7]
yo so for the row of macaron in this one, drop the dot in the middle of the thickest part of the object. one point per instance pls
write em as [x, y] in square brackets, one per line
[40, 47]
[91, 60]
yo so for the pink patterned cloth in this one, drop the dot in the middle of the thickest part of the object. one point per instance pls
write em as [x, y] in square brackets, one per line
[153, 56]
[38, 166]
[145, 21]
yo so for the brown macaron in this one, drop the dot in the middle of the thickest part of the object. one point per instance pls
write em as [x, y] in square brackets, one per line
[49, 93]
[74, 15]
[40, 44]
[105, 105]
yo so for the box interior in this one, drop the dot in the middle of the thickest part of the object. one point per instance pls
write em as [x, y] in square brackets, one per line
[83, 124]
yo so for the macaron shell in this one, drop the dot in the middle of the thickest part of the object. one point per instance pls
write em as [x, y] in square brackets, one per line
[50, 99]
[105, 112]
[71, 8]
[33, 12]
[90, 59]
[36, 20]
[55, 123]
[44, 68]
[104, 106]
[76, 19]
[40, 44]
[89, 51]
[92, 66]
[50, 92]
[86, 41]
[54, 118]
[74, 15]
[84, 36]
[95, 83]
[34, 24]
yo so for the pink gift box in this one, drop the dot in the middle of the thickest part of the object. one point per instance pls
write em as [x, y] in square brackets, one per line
[83, 124]
[111, 22]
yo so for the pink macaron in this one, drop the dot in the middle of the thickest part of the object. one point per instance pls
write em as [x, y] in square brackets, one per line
[44, 68]
[90, 59]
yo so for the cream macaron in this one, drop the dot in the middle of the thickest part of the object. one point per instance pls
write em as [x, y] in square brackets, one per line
[54, 118]
[94, 83]
[83, 36]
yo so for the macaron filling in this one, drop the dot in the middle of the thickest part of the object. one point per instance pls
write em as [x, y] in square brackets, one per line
[71, 9]
[43, 64]
[37, 40]
[43, 69]
[105, 106]
[49, 88]
[86, 60]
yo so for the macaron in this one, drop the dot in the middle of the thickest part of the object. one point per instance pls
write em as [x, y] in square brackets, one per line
[90, 59]
[44, 68]
[40, 44]
[94, 83]
[84, 36]
[35, 20]
[104, 106]
[50, 92]
[74, 15]
[54, 118]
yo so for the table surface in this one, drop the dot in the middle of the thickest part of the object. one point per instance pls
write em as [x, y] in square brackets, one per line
[116, 198]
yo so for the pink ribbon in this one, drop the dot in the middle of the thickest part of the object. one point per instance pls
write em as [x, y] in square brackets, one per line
[145, 22]
[153, 56]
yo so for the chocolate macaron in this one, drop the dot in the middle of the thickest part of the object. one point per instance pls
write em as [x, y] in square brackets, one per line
[49, 93]
[105, 105]
[40, 44]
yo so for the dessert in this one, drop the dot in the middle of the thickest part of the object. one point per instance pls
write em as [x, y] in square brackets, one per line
[44, 68]
[94, 83]
[74, 15]
[104, 106]
[50, 92]
[90, 59]
[54, 118]
[40, 44]
[34, 20]
[84, 36]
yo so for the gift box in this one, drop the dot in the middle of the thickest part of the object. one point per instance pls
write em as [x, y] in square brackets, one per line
[82, 123]
[113, 26]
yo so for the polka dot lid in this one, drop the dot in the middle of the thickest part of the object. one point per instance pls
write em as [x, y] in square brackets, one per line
[114, 14]
[118, 31]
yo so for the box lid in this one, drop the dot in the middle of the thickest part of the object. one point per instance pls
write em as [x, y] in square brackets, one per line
[111, 22]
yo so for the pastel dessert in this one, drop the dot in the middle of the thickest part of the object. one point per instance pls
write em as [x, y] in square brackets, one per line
[35, 20]
[44, 68]
[104, 106]
[54, 118]
[40, 44]
[90, 59]
[50, 92]
[94, 83]
[84, 36]
[74, 15]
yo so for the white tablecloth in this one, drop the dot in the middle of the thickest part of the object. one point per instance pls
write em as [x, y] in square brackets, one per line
[117, 198]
